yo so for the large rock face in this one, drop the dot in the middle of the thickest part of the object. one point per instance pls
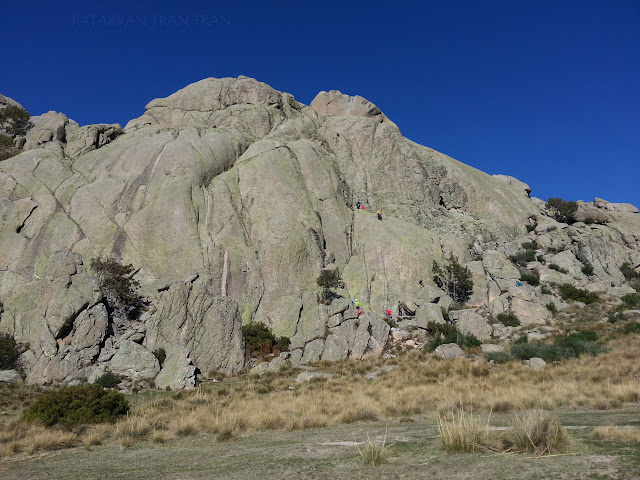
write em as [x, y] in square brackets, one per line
[230, 197]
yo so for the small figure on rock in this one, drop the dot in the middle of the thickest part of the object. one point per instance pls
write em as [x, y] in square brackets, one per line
[379, 215]
[357, 305]
[358, 205]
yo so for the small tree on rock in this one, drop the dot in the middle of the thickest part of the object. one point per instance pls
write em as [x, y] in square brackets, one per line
[562, 211]
[17, 119]
[454, 279]
[119, 287]
[329, 279]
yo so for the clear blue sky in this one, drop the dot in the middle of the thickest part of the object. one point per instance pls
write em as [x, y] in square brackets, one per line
[545, 90]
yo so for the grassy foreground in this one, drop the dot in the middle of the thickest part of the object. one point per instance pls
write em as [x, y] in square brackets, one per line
[252, 427]
[330, 452]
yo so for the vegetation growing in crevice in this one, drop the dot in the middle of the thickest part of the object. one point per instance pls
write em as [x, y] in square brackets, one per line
[508, 319]
[562, 210]
[454, 279]
[328, 280]
[119, 288]
[569, 292]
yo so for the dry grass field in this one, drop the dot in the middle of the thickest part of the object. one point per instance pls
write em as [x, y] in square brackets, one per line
[409, 394]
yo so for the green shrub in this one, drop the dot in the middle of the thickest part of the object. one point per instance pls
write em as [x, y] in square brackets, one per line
[581, 343]
[629, 272]
[454, 279]
[562, 211]
[617, 317]
[508, 319]
[531, 278]
[443, 333]
[108, 380]
[558, 268]
[498, 357]
[549, 353]
[78, 405]
[530, 246]
[260, 341]
[569, 292]
[545, 291]
[328, 280]
[531, 228]
[118, 287]
[9, 353]
[587, 269]
[161, 355]
[18, 118]
[632, 327]
[568, 346]
[630, 301]
[551, 307]
[523, 257]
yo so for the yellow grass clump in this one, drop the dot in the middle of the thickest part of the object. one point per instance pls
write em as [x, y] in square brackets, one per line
[617, 434]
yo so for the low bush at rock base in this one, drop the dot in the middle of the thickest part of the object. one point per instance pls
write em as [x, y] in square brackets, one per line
[108, 380]
[9, 354]
[71, 406]
[443, 333]
[260, 341]
[568, 346]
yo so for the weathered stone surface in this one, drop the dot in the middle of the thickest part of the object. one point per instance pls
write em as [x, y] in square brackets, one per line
[449, 350]
[336, 103]
[49, 127]
[313, 351]
[309, 376]
[426, 313]
[536, 363]
[178, 373]
[10, 376]
[134, 361]
[491, 348]
[335, 348]
[470, 323]
[190, 320]
[91, 137]
[513, 181]
[430, 293]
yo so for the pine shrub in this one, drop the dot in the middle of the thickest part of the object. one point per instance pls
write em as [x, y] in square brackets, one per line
[454, 278]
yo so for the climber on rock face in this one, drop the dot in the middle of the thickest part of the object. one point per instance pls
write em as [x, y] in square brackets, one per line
[358, 205]
[379, 215]
[357, 305]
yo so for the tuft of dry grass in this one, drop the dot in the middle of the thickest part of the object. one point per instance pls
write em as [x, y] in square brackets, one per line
[536, 432]
[374, 453]
[617, 434]
[133, 427]
[44, 440]
[462, 432]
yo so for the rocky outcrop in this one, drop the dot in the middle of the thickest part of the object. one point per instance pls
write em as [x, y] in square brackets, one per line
[191, 322]
[229, 198]
[49, 127]
[91, 137]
